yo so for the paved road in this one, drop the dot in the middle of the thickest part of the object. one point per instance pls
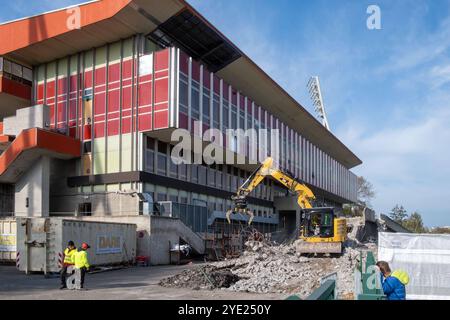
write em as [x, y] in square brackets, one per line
[133, 283]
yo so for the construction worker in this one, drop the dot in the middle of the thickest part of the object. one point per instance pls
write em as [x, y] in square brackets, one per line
[393, 283]
[81, 265]
[69, 261]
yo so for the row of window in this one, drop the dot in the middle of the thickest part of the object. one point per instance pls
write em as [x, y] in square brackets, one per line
[225, 177]
[213, 203]
[296, 153]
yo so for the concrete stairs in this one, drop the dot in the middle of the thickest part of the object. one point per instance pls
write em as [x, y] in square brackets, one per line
[166, 229]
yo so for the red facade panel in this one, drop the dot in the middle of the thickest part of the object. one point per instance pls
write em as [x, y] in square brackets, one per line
[195, 71]
[206, 78]
[183, 121]
[161, 90]
[15, 88]
[161, 119]
[162, 60]
[40, 93]
[112, 100]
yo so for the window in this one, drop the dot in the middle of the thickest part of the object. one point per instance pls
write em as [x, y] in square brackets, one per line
[162, 158]
[182, 168]
[85, 209]
[195, 100]
[211, 177]
[216, 112]
[242, 119]
[184, 89]
[183, 200]
[206, 106]
[233, 117]
[194, 173]
[150, 155]
[161, 197]
[202, 175]
[173, 198]
[87, 147]
[173, 167]
[218, 179]
[225, 114]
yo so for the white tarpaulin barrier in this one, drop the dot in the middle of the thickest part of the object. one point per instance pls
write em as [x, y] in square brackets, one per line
[425, 257]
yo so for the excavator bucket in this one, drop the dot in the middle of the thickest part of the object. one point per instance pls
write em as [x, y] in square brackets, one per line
[246, 212]
[318, 247]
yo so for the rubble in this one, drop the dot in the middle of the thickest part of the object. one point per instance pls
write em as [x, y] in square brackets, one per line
[268, 268]
[205, 277]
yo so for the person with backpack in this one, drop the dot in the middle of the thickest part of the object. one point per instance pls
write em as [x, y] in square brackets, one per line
[393, 283]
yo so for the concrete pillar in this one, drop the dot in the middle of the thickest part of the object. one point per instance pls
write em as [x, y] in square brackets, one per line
[32, 190]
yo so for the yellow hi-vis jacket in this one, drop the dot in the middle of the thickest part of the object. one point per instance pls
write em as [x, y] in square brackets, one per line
[81, 259]
[69, 256]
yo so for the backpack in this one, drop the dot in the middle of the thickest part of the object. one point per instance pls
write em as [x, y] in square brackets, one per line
[402, 276]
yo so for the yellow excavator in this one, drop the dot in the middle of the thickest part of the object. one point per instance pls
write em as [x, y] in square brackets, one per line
[320, 230]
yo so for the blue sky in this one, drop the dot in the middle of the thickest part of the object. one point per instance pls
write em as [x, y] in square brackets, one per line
[386, 91]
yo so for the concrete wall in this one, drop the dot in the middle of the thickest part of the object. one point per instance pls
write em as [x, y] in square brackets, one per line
[103, 204]
[154, 234]
[32, 117]
[164, 230]
[34, 186]
[287, 204]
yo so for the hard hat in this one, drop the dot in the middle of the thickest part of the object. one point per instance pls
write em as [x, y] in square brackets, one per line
[84, 245]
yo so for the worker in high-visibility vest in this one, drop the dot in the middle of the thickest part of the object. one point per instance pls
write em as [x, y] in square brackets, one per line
[69, 260]
[81, 265]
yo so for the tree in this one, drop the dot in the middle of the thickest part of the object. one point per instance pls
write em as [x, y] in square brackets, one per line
[415, 223]
[440, 230]
[398, 214]
[365, 192]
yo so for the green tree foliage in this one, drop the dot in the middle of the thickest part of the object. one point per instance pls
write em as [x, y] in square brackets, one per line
[440, 230]
[365, 192]
[398, 214]
[414, 223]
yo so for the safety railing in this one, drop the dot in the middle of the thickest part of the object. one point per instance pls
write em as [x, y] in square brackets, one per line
[326, 291]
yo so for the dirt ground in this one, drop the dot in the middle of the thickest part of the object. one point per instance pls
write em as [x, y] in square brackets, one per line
[126, 284]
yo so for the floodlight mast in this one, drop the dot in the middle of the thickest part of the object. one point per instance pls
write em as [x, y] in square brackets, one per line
[316, 97]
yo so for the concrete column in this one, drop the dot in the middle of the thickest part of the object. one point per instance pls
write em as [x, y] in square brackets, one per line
[32, 190]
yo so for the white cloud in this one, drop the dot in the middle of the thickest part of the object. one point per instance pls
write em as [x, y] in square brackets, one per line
[403, 141]
[408, 164]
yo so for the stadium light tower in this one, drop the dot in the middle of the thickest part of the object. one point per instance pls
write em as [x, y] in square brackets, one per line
[316, 97]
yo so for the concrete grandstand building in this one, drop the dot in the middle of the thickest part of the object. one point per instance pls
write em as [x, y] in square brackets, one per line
[90, 95]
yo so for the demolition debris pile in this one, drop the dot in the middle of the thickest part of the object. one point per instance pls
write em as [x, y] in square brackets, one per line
[207, 277]
[268, 268]
[280, 269]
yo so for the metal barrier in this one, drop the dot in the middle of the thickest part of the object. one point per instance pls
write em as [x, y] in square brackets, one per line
[326, 291]
[367, 279]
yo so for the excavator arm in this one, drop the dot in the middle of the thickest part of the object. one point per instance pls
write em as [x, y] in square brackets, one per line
[267, 168]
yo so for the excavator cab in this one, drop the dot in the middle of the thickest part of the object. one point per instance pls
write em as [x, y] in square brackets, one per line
[317, 222]
[321, 231]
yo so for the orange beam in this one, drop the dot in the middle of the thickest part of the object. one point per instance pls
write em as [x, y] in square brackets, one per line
[36, 138]
[25, 32]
